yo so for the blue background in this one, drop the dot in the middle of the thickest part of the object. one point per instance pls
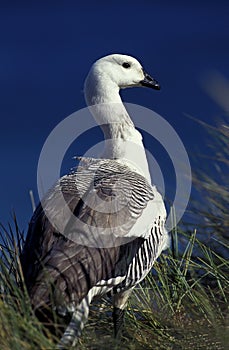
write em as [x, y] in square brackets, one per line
[47, 48]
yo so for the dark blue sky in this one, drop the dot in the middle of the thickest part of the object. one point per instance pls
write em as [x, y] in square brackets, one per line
[47, 48]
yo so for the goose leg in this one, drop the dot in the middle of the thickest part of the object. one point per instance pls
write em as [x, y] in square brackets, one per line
[75, 327]
[119, 303]
[118, 320]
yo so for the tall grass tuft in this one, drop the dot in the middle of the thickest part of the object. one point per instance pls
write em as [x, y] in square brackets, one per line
[19, 328]
[186, 298]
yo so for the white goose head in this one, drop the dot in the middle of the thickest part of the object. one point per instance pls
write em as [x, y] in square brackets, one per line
[114, 72]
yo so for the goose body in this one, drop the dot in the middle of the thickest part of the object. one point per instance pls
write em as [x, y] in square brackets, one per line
[116, 230]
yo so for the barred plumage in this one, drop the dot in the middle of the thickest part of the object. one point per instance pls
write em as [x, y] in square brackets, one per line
[100, 228]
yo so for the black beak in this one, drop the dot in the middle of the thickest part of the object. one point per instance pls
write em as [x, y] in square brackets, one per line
[150, 82]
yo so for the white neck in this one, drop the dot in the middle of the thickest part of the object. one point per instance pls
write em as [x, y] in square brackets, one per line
[122, 141]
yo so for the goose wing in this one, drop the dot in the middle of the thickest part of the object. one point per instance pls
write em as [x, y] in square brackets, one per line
[91, 221]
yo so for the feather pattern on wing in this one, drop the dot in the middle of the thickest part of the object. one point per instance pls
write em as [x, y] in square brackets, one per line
[62, 258]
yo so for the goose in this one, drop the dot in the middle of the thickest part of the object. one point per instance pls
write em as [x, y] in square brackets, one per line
[116, 229]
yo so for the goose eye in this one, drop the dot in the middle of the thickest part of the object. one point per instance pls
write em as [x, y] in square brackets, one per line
[126, 65]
